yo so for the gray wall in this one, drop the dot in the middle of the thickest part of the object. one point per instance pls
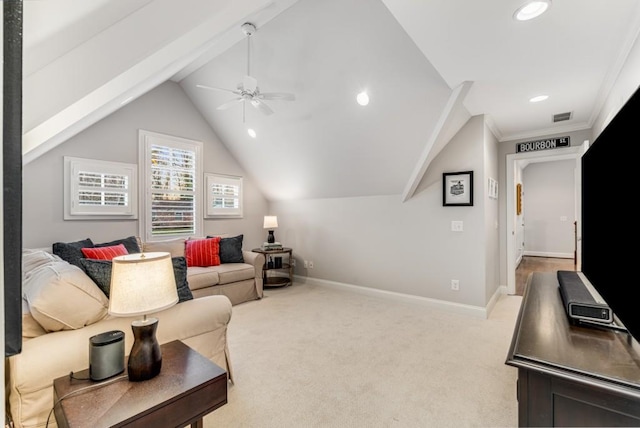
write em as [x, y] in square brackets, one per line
[166, 110]
[491, 215]
[549, 208]
[409, 248]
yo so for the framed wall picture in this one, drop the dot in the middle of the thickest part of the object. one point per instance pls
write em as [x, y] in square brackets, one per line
[457, 189]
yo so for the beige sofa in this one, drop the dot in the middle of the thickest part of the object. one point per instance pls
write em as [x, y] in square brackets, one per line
[63, 307]
[199, 323]
[240, 282]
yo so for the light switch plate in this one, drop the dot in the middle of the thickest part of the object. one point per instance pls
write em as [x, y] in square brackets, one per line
[456, 225]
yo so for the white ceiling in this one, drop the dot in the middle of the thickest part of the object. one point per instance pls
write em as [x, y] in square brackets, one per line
[408, 54]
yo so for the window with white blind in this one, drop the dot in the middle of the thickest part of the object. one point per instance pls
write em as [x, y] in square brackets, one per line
[224, 196]
[172, 191]
[96, 189]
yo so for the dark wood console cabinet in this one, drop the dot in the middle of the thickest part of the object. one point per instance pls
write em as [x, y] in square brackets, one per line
[571, 375]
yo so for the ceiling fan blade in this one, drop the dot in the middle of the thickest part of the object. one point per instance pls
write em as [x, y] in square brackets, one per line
[277, 96]
[229, 104]
[260, 105]
[212, 88]
[249, 84]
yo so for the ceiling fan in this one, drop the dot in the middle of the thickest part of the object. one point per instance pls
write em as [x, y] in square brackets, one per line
[248, 90]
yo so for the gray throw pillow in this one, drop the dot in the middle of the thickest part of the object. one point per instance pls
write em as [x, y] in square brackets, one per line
[130, 243]
[100, 272]
[72, 251]
[231, 249]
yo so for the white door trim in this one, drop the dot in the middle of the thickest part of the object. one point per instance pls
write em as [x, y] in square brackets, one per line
[514, 160]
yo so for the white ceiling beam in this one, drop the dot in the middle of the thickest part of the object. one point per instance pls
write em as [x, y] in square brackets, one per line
[437, 139]
[137, 80]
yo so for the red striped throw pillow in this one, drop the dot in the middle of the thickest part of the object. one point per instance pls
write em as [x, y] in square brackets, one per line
[202, 252]
[104, 253]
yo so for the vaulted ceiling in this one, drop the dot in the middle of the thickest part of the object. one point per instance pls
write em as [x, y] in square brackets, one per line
[426, 65]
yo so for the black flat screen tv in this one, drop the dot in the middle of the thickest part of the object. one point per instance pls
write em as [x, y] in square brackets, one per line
[609, 197]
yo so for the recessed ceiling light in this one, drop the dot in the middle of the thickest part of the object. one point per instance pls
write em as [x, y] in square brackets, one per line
[251, 133]
[531, 9]
[363, 98]
[538, 98]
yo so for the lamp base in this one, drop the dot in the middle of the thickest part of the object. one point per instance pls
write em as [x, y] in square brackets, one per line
[271, 238]
[145, 360]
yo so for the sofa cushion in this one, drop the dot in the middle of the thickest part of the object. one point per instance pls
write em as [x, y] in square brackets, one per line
[130, 243]
[62, 297]
[201, 277]
[105, 253]
[173, 246]
[71, 251]
[33, 259]
[30, 327]
[230, 249]
[202, 252]
[100, 272]
[234, 272]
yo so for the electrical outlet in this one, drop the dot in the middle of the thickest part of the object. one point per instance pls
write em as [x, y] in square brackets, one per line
[306, 264]
[455, 284]
[310, 265]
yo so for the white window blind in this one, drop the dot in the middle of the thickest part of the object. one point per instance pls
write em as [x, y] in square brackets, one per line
[224, 195]
[172, 166]
[99, 189]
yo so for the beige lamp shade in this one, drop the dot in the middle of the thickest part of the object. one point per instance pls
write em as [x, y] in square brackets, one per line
[270, 221]
[142, 283]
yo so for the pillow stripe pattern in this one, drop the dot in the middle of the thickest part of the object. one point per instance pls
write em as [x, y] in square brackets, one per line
[203, 252]
[105, 253]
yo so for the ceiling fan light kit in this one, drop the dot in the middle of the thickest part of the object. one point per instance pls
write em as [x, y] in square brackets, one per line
[248, 90]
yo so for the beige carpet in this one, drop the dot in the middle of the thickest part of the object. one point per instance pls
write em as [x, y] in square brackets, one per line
[316, 356]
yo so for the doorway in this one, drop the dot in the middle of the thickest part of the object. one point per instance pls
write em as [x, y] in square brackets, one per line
[515, 163]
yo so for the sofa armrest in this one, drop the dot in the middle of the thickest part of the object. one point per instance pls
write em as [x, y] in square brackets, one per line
[201, 323]
[257, 260]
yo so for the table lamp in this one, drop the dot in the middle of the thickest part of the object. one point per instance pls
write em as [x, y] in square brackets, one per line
[142, 283]
[270, 222]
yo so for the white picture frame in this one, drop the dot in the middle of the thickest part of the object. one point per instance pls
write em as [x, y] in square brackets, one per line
[227, 200]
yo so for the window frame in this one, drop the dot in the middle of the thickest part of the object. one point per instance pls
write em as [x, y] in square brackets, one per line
[72, 187]
[210, 211]
[147, 139]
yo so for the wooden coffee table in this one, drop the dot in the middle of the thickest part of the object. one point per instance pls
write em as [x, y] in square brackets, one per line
[188, 387]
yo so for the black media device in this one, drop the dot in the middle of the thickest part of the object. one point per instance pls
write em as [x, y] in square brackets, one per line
[106, 355]
[581, 301]
[609, 173]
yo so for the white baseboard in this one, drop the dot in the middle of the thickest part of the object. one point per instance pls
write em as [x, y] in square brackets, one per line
[475, 311]
[549, 254]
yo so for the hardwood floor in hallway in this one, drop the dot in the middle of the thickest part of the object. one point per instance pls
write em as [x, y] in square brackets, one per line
[539, 264]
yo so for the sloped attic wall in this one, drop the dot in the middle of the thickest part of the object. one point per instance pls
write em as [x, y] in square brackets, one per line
[381, 243]
[165, 110]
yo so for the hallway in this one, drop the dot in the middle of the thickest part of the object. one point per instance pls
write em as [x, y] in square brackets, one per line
[539, 264]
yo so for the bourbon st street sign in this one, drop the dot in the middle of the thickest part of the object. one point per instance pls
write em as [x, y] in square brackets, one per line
[549, 143]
